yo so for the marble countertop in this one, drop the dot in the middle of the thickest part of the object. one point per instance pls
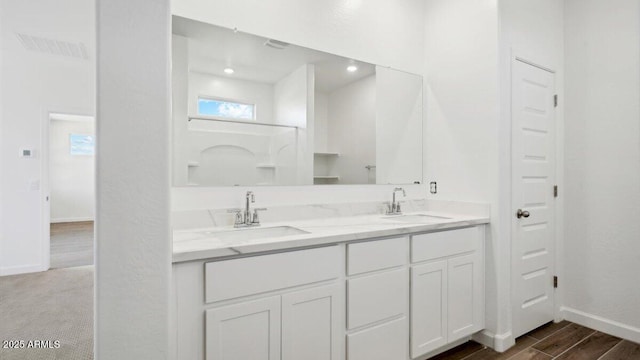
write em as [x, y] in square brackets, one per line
[207, 243]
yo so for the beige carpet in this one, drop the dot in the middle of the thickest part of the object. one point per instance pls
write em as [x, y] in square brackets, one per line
[48, 306]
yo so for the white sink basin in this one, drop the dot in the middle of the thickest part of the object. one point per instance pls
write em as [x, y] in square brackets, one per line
[416, 218]
[254, 233]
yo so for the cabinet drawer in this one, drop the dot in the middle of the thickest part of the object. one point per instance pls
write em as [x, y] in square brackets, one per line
[444, 243]
[382, 342]
[375, 255]
[377, 297]
[235, 278]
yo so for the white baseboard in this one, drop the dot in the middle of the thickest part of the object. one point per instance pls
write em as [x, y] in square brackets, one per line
[75, 219]
[601, 324]
[15, 270]
[498, 342]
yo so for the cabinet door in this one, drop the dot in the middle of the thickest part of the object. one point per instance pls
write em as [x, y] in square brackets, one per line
[465, 295]
[249, 330]
[312, 324]
[428, 307]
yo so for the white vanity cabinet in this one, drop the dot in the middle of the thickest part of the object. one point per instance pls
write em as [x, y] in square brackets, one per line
[395, 298]
[447, 288]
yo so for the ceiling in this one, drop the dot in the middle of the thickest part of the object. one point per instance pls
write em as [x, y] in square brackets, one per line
[213, 48]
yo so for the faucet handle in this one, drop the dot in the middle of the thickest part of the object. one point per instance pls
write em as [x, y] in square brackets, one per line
[238, 217]
[255, 218]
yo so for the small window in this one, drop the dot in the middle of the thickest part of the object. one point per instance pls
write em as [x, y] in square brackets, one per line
[82, 144]
[226, 109]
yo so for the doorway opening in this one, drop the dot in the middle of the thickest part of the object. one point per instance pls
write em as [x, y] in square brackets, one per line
[71, 199]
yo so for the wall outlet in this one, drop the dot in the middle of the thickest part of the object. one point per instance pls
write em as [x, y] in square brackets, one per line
[433, 187]
[27, 153]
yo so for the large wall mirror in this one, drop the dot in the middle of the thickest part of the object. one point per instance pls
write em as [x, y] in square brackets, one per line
[249, 110]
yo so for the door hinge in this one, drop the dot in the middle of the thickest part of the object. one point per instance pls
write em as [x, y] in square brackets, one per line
[555, 282]
[555, 100]
[555, 191]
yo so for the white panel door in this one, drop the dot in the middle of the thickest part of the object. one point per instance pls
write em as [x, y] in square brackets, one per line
[313, 324]
[533, 167]
[428, 307]
[249, 330]
[465, 306]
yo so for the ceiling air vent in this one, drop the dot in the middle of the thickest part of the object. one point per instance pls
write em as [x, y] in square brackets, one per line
[280, 45]
[53, 47]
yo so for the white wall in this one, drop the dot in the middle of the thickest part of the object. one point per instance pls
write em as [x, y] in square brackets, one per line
[462, 134]
[72, 177]
[381, 32]
[34, 84]
[602, 172]
[133, 249]
[352, 130]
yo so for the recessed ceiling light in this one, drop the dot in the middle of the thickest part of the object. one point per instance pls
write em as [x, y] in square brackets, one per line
[352, 68]
[228, 71]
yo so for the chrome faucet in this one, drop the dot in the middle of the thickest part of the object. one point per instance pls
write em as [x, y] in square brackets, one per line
[247, 208]
[246, 218]
[394, 207]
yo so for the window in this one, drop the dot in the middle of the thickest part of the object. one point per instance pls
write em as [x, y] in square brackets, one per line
[226, 109]
[82, 144]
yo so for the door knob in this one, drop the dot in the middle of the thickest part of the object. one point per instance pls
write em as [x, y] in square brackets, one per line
[521, 214]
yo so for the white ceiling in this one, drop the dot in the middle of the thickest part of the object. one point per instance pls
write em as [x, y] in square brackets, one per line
[213, 48]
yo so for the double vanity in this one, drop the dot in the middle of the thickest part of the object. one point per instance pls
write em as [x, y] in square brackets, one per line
[357, 284]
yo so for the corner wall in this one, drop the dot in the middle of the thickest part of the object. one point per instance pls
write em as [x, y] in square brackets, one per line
[133, 249]
[602, 158]
[462, 119]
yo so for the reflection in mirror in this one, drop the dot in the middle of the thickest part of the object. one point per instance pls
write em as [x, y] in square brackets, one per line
[249, 110]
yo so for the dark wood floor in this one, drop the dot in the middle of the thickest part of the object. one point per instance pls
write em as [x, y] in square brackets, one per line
[562, 341]
[71, 244]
